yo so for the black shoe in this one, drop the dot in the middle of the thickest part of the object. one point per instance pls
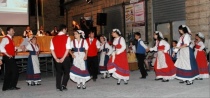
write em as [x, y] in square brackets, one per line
[189, 82]
[83, 87]
[142, 77]
[94, 80]
[165, 80]
[198, 78]
[37, 84]
[60, 89]
[64, 88]
[14, 88]
[118, 83]
[156, 79]
[4, 89]
[78, 86]
[126, 82]
[181, 81]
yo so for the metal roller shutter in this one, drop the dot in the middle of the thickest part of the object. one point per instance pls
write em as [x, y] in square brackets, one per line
[114, 19]
[168, 10]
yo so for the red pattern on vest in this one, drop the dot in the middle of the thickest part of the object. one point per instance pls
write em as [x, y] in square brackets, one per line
[92, 50]
[59, 42]
[10, 48]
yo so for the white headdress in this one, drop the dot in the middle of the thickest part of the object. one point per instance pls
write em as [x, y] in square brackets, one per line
[201, 35]
[188, 29]
[117, 30]
[161, 35]
[81, 32]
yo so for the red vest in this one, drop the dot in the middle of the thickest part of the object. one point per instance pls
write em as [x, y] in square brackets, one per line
[92, 50]
[59, 43]
[10, 48]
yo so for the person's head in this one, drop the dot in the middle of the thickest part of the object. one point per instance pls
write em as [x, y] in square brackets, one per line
[174, 43]
[10, 31]
[103, 39]
[137, 35]
[79, 34]
[55, 27]
[131, 43]
[158, 35]
[91, 34]
[28, 28]
[116, 33]
[33, 40]
[199, 37]
[183, 29]
[41, 28]
[63, 28]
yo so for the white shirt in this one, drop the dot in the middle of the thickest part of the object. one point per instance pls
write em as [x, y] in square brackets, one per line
[29, 47]
[68, 45]
[39, 33]
[202, 46]
[186, 40]
[142, 43]
[133, 49]
[122, 43]
[4, 42]
[108, 47]
[161, 43]
[78, 44]
[97, 42]
[24, 33]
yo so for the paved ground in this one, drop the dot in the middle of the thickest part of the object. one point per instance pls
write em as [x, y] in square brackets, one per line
[137, 88]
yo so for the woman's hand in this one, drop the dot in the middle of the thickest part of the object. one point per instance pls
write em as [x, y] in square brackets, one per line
[73, 56]
[85, 58]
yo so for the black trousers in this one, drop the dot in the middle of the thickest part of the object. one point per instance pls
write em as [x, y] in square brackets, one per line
[140, 58]
[62, 72]
[11, 73]
[93, 66]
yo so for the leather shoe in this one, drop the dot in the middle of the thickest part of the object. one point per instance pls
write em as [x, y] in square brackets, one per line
[14, 88]
[59, 89]
[4, 89]
[143, 78]
[64, 88]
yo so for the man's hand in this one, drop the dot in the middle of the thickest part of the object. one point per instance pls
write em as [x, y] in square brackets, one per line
[61, 60]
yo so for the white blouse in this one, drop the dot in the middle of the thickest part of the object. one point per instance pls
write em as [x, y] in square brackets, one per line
[186, 39]
[161, 43]
[122, 43]
[78, 44]
[106, 46]
[202, 45]
[29, 47]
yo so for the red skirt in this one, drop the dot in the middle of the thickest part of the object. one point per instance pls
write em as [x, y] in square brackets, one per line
[202, 63]
[119, 67]
[166, 73]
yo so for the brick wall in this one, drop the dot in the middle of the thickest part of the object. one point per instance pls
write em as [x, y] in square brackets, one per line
[198, 18]
[51, 18]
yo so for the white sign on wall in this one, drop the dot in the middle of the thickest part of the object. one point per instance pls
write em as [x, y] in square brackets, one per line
[134, 1]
